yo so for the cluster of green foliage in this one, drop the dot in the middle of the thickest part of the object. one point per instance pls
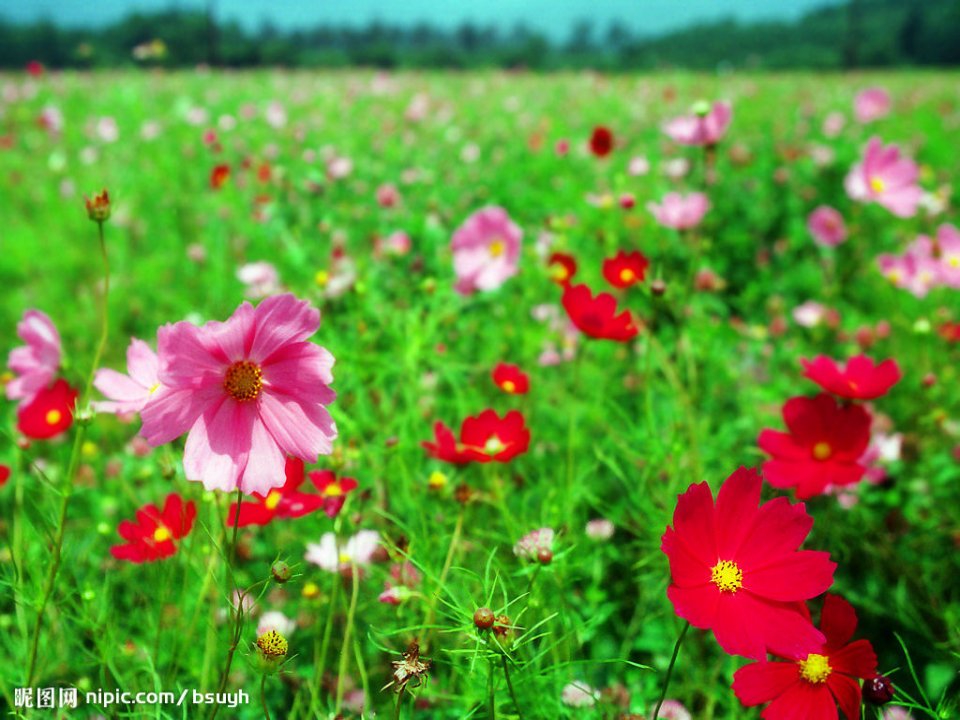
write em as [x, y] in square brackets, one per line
[870, 33]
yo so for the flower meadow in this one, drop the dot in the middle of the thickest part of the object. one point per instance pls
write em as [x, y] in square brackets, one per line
[481, 395]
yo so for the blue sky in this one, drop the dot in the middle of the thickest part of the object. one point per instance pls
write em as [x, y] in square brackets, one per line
[554, 17]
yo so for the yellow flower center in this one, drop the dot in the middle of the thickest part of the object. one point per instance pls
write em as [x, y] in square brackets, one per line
[273, 499]
[344, 558]
[822, 451]
[559, 272]
[815, 669]
[161, 534]
[954, 261]
[53, 417]
[627, 275]
[437, 480]
[727, 576]
[493, 446]
[877, 184]
[272, 644]
[509, 386]
[154, 388]
[333, 490]
[497, 247]
[894, 276]
[321, 278]
[244, 381]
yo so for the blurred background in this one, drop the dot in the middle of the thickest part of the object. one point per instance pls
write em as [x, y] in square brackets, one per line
[611, 35]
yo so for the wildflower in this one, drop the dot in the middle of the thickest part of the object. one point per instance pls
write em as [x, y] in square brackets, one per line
[49, 413]
[153, 534]
[562, 268]
[601, 141]
[826, 226]
[483, 618]
[4, 475]
[36, 363]
[600, 529]
[219, 176]
[511, 379]
[260, 279]
[272, 648]
[578, 694]
[596, 315]
[332, 557]
[878, 690]
[886, 178]
[871, 104]
[332, 489]
[917, 271]
[860, 379]
[705, 126]
[277, 621]
[404, 579]
[812, 684]
[410, 669]
[437, 480]
[283, 502]
[388, 196]
[625, 269]
[483, 438]
[822, 447]
[486, 250]
[536, 546]
[680, 212]
[504, 632]
[129, 393]
[249, 392]
[674, 710]
[98, 208]
[736, 568]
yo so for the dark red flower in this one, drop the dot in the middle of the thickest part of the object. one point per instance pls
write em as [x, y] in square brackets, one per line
[950, 331]
[625, 269]
[332, 489]
[822, 448]
[4, 475]
[597, 316]
[35, 68]
[152, 536]
[483, 438]
[812, 684]
[284, 502]
[737, 569]
[49, 413]
[219, 175]
[511, 379]
[562, 268]
[601, 141]
[860, 379]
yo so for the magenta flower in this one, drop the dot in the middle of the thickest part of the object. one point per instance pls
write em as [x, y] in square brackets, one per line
[486, 249]
[249, 391]
[129, 393]
[706, 126]
[871, 104]
[827, 226]
[36, 363]
[886, 178]
[680, 212]
[917, 271]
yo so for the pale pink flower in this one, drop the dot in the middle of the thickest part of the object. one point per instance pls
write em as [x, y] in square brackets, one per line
[948, 247]
[638, 166]
[705, 126]
[674, 710]
[333, 557]
[578, 694]
[827, 226]
[404, 578]
[676, 168]
[396, 243]
[276, 620]
[833, 124]
[388, 196]
[486, 250]
[276, 115]
[809, 314]
[107, 129]
[886, 178]
[36, 363]
[339, 167]
[896, 713]
[917, 271]
[871, 104]
[129, 393]
[600, 529]
[260, 278]
[249, 391]
[531, 545]
[681, 212]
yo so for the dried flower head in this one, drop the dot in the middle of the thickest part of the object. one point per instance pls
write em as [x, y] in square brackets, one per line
[410, 668]
[98, 208]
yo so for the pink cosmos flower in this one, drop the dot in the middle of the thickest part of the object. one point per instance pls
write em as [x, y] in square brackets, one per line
[332, 557]
[129, 393]
[948, 248]
[486, 249]
[535, 544]
[871, 104]
[260, 278]
[249, 391]
[886, 178]
[680, 212]
[706, 126]
[917, 271]
[37, 362]
[827, 226]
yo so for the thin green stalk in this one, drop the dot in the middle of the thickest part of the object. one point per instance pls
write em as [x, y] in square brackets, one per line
[513, 694]
[231, 556]
[347, 633]
[491, 697]
[263, 696]
[673, 661]
[396, 707]
[447, 564]
[66, 487]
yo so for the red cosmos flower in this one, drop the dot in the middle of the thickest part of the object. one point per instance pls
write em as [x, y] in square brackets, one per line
[151, 536]
[483, 438]
[813, 683]
[333, 490]
[511, 379]
[285, 501]
[625, 269]
[219, 175]
[861, 379]
[821, 449]
[736, 569]
[4, 475]
[596, 316]
[562, 268]
[49, 413]
[950, 331]
[35, 68]
[601, 141]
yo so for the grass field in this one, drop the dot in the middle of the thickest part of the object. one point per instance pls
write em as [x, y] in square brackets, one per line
[317, 172]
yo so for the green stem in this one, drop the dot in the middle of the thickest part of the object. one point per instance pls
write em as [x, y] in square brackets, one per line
[231, 556]
[396, 708]
[263, 696]
[673, 661]
[66, 488]
[491, 700]
[447, 564]
[347, 632]
[513, 694]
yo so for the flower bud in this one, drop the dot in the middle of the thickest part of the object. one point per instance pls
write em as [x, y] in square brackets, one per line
[544, 556]
[484, 618]
[658, 287]
[271, 651]
[98, 208]
[280, 571]
[878, 690]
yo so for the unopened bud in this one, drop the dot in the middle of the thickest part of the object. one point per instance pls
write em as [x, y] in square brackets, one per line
[544, 556]
[280, 571]
[98, 208]
[878, 690]
[658, 287]
[484, 618]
